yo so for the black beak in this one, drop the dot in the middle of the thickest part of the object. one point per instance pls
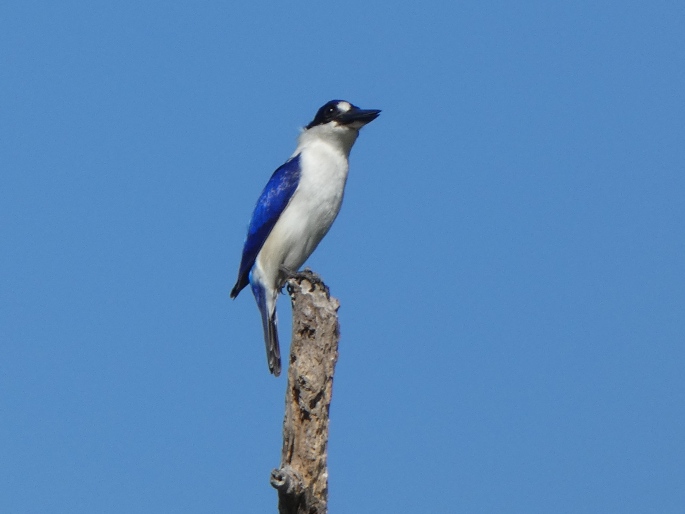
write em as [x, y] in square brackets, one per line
[360, 116]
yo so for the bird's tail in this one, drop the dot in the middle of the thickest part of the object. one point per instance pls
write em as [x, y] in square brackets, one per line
[273, 350]
[266, 301]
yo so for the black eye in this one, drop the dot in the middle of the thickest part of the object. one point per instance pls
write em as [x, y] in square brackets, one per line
[332, 109]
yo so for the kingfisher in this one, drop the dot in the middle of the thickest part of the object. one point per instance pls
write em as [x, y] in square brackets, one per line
[296, 209]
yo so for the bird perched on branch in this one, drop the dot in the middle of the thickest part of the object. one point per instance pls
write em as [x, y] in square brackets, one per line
[296, 209]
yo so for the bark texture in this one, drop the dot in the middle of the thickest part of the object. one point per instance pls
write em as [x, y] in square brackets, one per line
[302, 479]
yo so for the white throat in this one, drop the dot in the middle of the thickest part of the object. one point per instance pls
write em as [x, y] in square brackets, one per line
[339, 137]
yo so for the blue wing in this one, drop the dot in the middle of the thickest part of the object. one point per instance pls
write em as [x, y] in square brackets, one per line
[270, 205]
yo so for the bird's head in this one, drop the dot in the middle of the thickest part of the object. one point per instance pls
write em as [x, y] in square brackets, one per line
[338, 123]
[339, 113]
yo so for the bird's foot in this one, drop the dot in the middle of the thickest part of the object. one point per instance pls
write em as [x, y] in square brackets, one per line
[306, 274]
[284, 274]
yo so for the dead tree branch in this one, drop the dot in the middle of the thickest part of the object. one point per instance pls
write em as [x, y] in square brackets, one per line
[302, 479]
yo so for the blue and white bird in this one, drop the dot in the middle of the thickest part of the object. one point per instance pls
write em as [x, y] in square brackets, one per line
[296, 209]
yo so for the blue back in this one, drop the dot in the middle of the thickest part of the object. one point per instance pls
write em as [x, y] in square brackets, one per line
[271, 203]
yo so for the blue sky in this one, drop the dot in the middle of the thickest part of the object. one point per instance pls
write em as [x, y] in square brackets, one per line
[509, 255]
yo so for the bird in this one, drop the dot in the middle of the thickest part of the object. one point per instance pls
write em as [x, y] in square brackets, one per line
[296, 209]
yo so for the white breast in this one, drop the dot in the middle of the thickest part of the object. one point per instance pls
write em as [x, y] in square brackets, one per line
[311, 211]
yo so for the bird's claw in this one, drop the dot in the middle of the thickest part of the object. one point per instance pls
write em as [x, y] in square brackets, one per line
[306, 274]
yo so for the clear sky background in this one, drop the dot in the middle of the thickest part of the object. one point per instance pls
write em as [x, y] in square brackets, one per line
[509, 256]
